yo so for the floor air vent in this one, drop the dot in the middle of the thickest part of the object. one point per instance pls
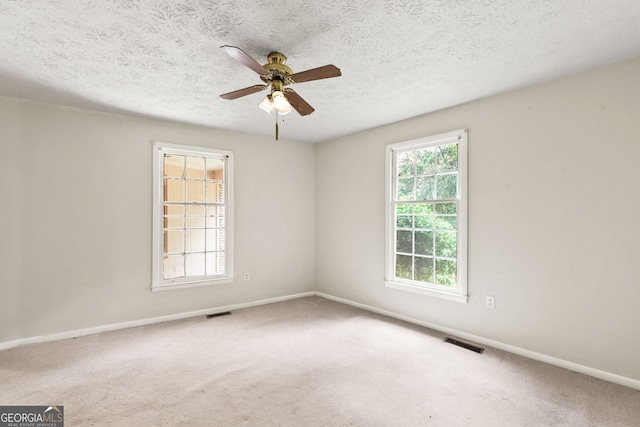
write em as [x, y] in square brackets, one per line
[224, 313]
[464, 345]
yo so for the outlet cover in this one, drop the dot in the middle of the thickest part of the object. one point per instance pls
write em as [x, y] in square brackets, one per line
[490, 302]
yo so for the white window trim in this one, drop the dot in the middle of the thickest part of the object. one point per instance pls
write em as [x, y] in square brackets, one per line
[460, 293]
[157, 282]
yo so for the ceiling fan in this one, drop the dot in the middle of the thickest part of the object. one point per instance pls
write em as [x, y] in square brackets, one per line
[277, 75]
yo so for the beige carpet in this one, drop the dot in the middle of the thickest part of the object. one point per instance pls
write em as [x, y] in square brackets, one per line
[305, 362]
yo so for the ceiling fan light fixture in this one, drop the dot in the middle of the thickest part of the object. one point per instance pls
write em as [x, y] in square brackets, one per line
[276, 101]
[280, 103]
[267, 104]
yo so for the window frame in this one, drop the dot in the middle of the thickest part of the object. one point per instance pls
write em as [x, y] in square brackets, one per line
[158, 283]
[460, 292]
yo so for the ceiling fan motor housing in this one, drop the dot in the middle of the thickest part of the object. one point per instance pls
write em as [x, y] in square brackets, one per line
[277, 70]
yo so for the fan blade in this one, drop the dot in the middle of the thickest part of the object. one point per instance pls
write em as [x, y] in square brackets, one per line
[299, 104]
[243, 92]
[239, 55]
[316, 74]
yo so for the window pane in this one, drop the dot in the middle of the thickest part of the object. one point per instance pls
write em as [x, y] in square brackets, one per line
[446, 222]
[404, 221]
[173, 222]
[211, 240]
[195, 240]
[215, 169]
[424, 188]
[196, 216]
[195, 210]
[447, 158]
[425, 161]
[424, 209]
[424, 269]
[424, 217]
[173, 266]
[424, 243]
[215, 239]
[174, 209]
[404, 209]
[196, 222]
[423, 221]
[447, 186]
[446, 244]
[446, 208]
[195, 191]
[174, 166]
[404, 242]
[213, 219]
[173, 190]
[221, 212]
[403, 267]
[405, 189]
[174, 241]
[221, 239]
[195, 167]
[194, 265]
[215, 192]
[446, 272]
[405, 164]
[215, 263]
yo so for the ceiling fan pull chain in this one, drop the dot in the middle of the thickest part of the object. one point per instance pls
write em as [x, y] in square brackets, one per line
[276, 125]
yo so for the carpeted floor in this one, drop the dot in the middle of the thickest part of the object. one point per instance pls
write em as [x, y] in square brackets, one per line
[304, 362]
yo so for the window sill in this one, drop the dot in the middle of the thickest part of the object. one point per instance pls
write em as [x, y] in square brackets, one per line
[191, 284]
[426, 291]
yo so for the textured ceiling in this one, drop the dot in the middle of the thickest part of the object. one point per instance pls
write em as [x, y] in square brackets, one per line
[161, 58]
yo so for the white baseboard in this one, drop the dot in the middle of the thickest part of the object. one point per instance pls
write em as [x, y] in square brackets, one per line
[143, 322]
[603, 375]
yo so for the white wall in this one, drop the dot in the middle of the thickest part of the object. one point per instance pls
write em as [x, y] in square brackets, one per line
[554, 203]
[553, 207]
[75, 219]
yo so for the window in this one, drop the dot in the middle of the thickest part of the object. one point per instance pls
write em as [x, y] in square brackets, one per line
[193, 216]
[426, 244]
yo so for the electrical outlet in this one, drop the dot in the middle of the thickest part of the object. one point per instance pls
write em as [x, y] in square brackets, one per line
[490, 302]
[246, 276]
